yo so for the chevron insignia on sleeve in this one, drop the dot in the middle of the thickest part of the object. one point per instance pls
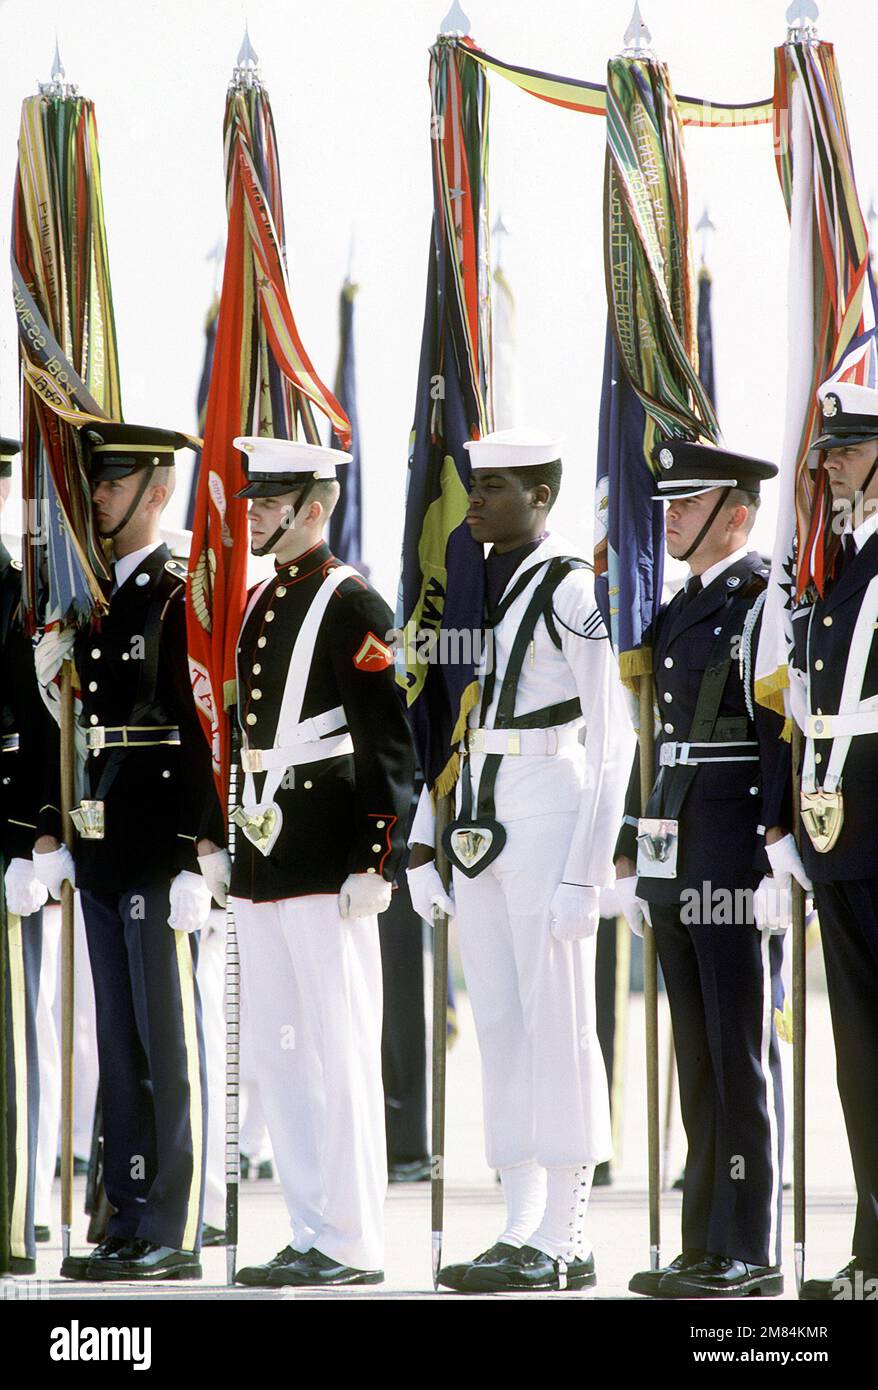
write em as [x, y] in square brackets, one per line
[374, 655]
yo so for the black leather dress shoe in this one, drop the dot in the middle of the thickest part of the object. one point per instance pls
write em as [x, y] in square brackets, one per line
[854, 1282]
[76, 1266]
[417, 1170]
[316, 1270]
[528, 1269]
[144, 1260]
[452, 1276]
[719, 1277]
[22, 1264]
[259, 1276]
[648, 1280]
[212, 1235]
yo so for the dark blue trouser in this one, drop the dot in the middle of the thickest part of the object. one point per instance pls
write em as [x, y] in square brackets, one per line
[24, 939]
[722, 981]
[849, 933]
[152, 1069]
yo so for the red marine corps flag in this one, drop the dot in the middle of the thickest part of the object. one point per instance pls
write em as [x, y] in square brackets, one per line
[262, 383]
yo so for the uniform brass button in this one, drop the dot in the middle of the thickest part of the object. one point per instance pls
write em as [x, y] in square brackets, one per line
[818, 757]
[376, 849]
[256, 668]
[251, 718]
[166, 772]
[669, 661]
[95, 651]
[818, 664]
[667, 697]
[371, 871]
[125, 656]
[279, 591]
[255, 694]
[6, 781]
[93, 719]
[308, 786]
[827, 622]
[754, 791]
[380, 824]
[669, 728]
[262, 641]
[269, 617]
[92, 685]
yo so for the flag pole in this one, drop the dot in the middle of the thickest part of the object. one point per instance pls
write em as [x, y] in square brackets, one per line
[440, 1047]
[67, 957]
[233, 1043]
[650, 992]
[799, 1027]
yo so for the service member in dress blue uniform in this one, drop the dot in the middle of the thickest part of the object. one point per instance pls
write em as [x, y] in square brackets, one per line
[721, 795]
[324, 787]
[148, 812]
[836, 697]
[543, 772]
[26, 737]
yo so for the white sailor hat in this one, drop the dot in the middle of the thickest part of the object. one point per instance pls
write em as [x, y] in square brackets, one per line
[850, 414]
[276, 466]
[513, 449]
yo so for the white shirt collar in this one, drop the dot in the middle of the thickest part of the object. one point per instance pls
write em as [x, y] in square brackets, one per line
[722, 565]
[865, 529]
[125, 567]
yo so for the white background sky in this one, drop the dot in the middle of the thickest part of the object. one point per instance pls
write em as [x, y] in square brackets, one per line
[348, 86]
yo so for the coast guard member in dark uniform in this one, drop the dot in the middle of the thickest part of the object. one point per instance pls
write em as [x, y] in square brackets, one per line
[720, 794]
[25, 735]
[148, 810]
[836, 657]
[324, 790]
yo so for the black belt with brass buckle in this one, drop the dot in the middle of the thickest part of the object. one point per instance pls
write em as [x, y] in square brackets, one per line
[131, 736]
[9, 743]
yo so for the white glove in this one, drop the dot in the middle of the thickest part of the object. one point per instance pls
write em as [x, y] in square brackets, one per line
[574, 912]
[190, 902]
[216, 870]
[611, 901]
[773, 904]
[363, 895]
[427, 891]
[783, 856]
[25, 894]
[635, 910]
[52, 869]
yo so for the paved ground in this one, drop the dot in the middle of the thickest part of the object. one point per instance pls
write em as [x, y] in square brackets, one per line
[474, 1207]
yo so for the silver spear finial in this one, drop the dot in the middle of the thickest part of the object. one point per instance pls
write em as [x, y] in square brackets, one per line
[57, 86]
[705, 227]
[246, 72]
[802, 16]
[455, 24]
[638, 39]
[499, 233]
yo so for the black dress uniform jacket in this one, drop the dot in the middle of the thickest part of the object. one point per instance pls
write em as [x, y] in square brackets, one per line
[162, 799]
[23, 772]
[729, 805]
[345, 815]
[822, 637]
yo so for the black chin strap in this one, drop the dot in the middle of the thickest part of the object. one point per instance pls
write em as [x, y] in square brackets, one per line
[135, 503]
[284, 526]
[721, 501]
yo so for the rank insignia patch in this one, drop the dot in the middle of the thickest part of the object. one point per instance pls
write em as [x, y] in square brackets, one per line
[374, 655]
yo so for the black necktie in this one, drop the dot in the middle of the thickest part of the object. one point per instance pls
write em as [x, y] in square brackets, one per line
[848, 549]
[693, 588]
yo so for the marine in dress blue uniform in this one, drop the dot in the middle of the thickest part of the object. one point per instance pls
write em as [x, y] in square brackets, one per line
[722, 777]
[836, 665]
[148, 804]
[25, 740]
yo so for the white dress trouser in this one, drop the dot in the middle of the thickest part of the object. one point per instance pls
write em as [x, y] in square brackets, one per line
[211, 974]
[533, 998]
[312, 984]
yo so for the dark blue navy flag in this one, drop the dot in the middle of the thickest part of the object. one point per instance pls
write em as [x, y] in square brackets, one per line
[705, 334]
[201, 401]
[629, 525]
[346, 522]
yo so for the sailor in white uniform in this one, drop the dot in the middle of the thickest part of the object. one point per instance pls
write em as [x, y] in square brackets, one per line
[543, 773]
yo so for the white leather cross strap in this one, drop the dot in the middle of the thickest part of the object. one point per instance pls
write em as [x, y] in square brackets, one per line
[289, 724]
[855, 715]
[310, 745]
[527, 743]
[687, 754]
